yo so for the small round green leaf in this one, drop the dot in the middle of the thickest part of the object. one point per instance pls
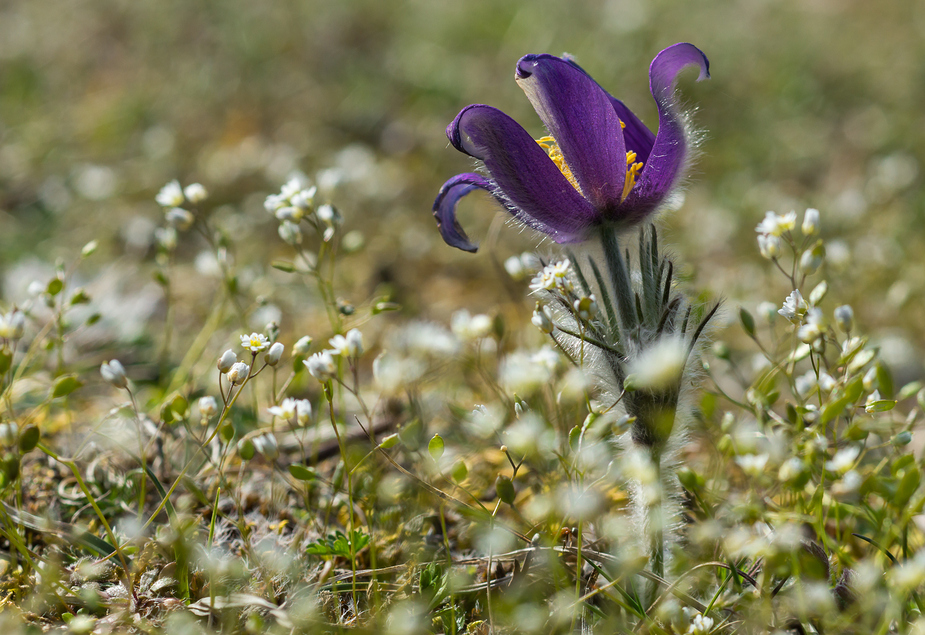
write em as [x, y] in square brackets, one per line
[436, 447]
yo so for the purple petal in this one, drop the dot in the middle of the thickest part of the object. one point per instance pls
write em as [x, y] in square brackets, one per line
[528, 183]
[445, 208]
[636, 135]
[666, 160]
[578, 113]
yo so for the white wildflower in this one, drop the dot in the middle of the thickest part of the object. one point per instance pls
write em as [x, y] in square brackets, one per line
[586, 308]
[660, 365]
[288, 213]
[753, 464]
[354, 342]
[769, 246]
[273, 202]
[290, 188]
[805, 383]
[826, 382]
[843, 460]
[321, 365]
[813, 328]
[114, 373]
[299, 410]
[195, 193]
[776, 225]
[470, 327]
[171, 195]
[542, 319]
[12, 325]
[166, 237]
[255, 342]
[794, 307]
[266, 445]
[515, 268]
[304, 199]
[179, 218]
[700, 625]
[290, 233]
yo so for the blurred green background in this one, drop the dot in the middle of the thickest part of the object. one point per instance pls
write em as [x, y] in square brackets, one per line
[812, 103]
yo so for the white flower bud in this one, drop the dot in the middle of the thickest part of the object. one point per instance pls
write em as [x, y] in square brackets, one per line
[810, 222]
[769, 246]
[812, 259]
[302, 347]
[114, 373]
[354, 342]
[289, 213]
[12, 325]
[515, 268]
[166, 237]
[226, 361]
[238, 373]
[290, 233]
[266, 445]
[273, 355]
[844, 318]
[195, 193]
[208, 407]
[179, 218]
[541, 319]
[273, 202]
[9, 433]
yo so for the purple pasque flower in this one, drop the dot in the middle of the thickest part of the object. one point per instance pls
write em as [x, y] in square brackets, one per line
[599, 164]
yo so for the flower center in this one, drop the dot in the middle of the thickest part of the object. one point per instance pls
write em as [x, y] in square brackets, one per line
[551, 146]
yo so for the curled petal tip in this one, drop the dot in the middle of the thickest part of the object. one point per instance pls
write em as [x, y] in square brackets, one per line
[445, 209]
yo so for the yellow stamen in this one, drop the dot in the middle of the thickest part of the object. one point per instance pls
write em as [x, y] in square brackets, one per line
[551, 146]
[633, 168]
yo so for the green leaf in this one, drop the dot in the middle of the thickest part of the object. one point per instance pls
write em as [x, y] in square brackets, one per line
[748, 322]
[436, 447]
[65, 385]
[907, 486]
[505, 488]
[880, 405]
[283, 265]
[6, 359]
[302, 472]
[459, 471]
[54, 286]
[29, 438]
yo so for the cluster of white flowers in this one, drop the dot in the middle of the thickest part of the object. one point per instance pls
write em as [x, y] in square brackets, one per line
[774, 226]
[236, 372]
[554, 277]
[296, 202]
[323, 366]
[519, 267]
[295, 410]
[171, 197]
[469, 327]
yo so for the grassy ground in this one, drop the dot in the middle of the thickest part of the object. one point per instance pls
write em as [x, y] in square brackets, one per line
[132, 507]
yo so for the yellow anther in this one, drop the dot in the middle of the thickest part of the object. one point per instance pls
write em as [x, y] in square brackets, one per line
[633, 168]
[551, 146]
